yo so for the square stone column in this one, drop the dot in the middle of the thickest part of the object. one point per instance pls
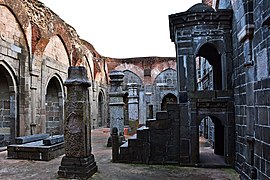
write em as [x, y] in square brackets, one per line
[78, 161]
[133, 107]
[116, 105]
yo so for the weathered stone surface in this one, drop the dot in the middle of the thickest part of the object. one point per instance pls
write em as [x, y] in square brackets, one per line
[116, 104]
[78, 161]
[31, 138]
[53, 140]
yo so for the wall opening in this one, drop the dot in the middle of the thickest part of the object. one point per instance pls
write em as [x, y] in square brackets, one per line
[54, 107]
[168, 99]
[7, 122]
[211, 141]
[101, 121]
[208, 67]
[126, 117]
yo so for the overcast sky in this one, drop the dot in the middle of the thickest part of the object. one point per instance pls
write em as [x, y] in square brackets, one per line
[123, 28]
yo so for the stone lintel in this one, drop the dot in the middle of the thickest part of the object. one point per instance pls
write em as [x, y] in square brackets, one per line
[246, 32]
[116, 94]
[117, 104]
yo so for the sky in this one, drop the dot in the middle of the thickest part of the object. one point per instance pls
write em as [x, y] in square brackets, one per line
[123, 28]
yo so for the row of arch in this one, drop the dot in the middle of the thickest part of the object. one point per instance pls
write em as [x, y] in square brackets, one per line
[33, 69]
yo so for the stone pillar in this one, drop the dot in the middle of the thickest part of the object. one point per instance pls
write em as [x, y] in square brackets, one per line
[133, 107]
[115, 144]
[116, 104]
[78, 161]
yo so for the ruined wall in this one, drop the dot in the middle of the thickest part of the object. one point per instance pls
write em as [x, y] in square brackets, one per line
[147, 69]
[251, 60]
[37, 47]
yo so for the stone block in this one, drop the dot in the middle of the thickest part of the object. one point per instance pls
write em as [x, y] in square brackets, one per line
[160, 124]
[30, 138]
[53, 140]
[143, 134]
[266, 151]
[266, 135]
[75, 168]
[162, 115]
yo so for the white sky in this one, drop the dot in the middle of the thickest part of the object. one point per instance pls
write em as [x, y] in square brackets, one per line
[123, 28]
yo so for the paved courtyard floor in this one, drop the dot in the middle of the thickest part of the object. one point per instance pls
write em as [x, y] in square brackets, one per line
[11, 169]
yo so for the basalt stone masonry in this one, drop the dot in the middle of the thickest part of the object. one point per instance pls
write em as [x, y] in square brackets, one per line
[173, 137]
[78, 161]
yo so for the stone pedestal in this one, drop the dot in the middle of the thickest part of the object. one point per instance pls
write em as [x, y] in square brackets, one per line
[78, 161]
[133, 107]
[116, 105]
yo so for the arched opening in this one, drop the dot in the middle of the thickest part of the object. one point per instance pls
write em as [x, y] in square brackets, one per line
[211, 141]
[101, 121]
[7, 108]
[126, 118]
[168, 99]
[54, 107]
[208, 68]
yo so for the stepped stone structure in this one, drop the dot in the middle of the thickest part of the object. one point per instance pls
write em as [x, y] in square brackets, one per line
[233, 36]
[37, 47]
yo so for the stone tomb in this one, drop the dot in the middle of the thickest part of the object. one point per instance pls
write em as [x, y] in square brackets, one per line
[41, 147]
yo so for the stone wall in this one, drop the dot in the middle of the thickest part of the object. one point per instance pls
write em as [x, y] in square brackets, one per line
[251, 87]
[36, 48]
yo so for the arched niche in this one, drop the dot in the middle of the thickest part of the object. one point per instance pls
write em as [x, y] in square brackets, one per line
[55, 53]
[101, 109]
[168, 99]
[8, 106]
[54, 106]
[209, 52]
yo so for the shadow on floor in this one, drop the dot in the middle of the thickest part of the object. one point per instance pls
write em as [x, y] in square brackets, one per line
[207, 156]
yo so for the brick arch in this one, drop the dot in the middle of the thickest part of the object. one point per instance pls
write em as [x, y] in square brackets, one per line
[18, 10]
[86, 63]
[161, 67]
[169, 68]
[133, 68]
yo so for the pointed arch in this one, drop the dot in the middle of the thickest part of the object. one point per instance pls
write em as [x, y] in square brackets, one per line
[8, 105]
[54, 101]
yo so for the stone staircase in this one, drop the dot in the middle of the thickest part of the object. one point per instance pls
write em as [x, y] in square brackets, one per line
[154, 143]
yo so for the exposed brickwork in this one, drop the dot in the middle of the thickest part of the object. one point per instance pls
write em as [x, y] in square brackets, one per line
[36, 46]
[208, 2]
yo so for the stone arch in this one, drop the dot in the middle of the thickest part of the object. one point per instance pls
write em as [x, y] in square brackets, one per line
[165, 83]
[131, 77]
[56, 50]
[18, 11]
[161, 67]
[8, 105]
[216, 135]
[210, 52]
[87, 64]
[54, 101]
[168, 98]
[132, 68]
[101, 109]
[171, 81]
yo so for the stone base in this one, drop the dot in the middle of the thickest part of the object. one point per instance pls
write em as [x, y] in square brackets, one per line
[77, 168]
[122, 140]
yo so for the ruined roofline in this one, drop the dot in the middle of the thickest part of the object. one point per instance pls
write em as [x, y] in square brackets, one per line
[147, 58]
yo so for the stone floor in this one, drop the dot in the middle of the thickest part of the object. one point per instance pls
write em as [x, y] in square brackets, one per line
[23, 169]
[207, 156]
